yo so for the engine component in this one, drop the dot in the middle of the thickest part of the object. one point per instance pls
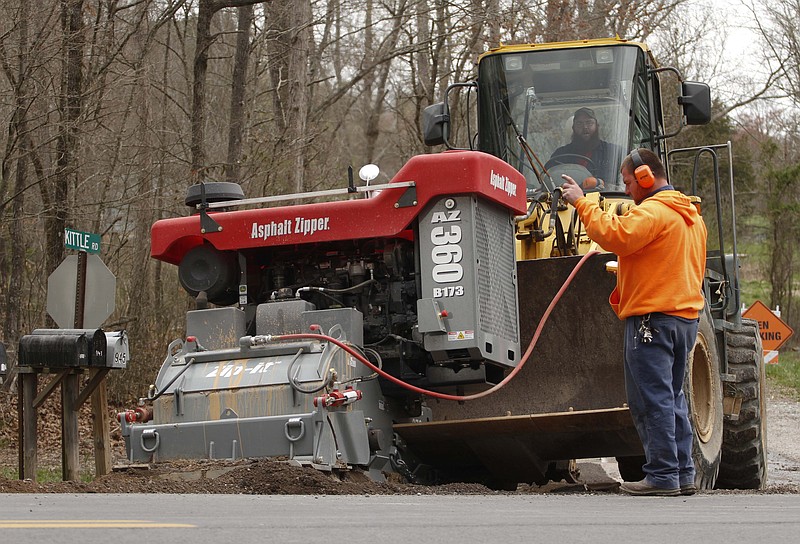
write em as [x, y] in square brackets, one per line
[140, 414]
[205, 268]
[338, 398]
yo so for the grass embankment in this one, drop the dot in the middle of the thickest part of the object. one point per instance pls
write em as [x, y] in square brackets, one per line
[44, 475]
[786, 373]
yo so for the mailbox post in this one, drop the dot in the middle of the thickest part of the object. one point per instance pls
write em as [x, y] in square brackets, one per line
[81, 293]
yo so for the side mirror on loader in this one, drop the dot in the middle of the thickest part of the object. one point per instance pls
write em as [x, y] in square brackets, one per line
[435, 124]
[696, 102]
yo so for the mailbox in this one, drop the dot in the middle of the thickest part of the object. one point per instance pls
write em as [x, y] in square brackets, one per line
[117, 354]
[63, 348]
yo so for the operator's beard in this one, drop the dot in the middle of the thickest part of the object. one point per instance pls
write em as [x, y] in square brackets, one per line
[589, 145]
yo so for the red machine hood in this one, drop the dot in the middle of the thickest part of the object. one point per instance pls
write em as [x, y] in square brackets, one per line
[383, 215]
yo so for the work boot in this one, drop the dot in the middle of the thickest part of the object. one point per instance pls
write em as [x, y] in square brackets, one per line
[643, 488]
[688, 489]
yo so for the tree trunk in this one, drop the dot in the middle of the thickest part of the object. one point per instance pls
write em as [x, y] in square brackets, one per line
[376, 84]
[236, 126]
[70, 109]
[205, 12]
[298, 90]
[16, 264]
[370, 123]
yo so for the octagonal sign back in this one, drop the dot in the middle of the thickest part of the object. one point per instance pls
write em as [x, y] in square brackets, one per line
[101, 287]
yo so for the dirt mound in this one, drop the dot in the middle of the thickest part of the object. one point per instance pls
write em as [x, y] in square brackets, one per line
[255, 477]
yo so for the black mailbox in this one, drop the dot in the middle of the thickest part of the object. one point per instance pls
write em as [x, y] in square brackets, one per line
[63, 348]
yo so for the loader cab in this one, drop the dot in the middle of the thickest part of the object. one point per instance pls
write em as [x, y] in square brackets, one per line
[572, 107]
[579, 110]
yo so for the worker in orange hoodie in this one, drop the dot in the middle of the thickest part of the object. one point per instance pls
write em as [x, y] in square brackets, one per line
[661, 246]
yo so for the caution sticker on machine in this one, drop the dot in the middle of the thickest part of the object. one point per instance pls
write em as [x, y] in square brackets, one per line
[454, 336]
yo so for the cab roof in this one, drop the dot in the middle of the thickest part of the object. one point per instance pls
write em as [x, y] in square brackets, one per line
[574, 44]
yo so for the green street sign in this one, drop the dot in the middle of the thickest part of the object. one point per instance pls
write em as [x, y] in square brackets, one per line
[81, 241]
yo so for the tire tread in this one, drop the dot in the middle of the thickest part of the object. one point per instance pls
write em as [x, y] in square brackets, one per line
[744, 459]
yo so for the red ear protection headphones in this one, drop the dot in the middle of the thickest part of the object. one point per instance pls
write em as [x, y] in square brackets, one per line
[642, 172]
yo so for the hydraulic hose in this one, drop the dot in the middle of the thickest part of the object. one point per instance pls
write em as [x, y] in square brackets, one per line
[435, 394]
[346, 290]
[327, 380]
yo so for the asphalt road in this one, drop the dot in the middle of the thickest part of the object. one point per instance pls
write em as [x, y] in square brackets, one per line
[201, 519]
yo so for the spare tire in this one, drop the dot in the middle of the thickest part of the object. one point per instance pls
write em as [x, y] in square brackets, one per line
[215, 191]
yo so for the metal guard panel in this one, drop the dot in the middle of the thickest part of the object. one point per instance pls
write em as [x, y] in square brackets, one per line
[448, 173]
[546, 437]
[222, 439]
[577, 362]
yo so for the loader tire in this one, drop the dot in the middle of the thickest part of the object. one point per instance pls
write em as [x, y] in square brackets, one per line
[703, 389]
[744, 443]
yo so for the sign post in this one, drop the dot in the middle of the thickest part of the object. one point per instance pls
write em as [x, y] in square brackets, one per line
[773, 330]
[81, 294]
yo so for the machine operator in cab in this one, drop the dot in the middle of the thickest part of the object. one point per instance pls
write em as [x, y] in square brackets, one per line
[587, 149]
[661, 245]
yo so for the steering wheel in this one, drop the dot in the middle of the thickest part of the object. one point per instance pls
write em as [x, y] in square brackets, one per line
[562, 159]
[575, 171]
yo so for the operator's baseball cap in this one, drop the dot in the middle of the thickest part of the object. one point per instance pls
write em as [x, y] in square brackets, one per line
[587, 112]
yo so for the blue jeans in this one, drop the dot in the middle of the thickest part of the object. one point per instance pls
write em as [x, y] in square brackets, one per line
[654, 373]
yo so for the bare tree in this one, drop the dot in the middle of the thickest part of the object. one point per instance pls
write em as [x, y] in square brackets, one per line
[204, 40]
[780, 29]
[13, 262]
[236, 123]
[290, 54]
[70, 107]
[778, 25]
[376, 81]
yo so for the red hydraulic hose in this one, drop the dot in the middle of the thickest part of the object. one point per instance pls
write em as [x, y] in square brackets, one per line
[436, 394]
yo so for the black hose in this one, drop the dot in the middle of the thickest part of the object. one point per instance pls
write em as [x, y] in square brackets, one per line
[189, 363]
[296, 385]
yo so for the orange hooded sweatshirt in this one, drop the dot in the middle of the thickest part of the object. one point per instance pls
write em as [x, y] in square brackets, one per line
[661, 245]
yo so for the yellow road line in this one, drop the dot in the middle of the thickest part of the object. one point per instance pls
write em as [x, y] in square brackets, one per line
[88, 524]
